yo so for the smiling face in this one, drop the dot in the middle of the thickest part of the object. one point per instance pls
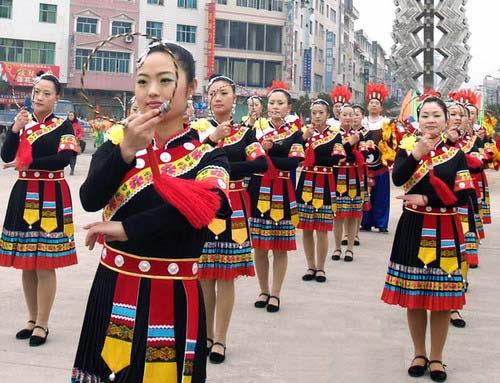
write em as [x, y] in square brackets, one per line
[254, 106]
[44, 97]
[319, 114]
[221, 98]
[455, 116]
[277, 106]
[155, 83]
[346, 117]
[473, 114]
[432, 119]
[357, 118]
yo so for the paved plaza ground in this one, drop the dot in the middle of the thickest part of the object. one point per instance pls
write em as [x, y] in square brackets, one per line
[337, 332]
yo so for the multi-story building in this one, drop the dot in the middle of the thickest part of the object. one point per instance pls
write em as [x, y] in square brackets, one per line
[363, 64]
[33, 38]
[109, 78]
[379, 69]
[349, 14]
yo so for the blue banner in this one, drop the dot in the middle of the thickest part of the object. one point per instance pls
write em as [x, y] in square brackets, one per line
[329, 61]
[306, 81]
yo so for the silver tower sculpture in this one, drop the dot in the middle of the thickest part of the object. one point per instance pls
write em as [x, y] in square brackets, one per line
[430, 44]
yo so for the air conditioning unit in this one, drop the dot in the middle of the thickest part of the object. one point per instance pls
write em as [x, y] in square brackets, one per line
[129, 39]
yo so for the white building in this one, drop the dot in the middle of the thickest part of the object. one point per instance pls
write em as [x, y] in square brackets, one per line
[35, 32]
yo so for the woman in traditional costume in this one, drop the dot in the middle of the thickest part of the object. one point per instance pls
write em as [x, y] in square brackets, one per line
[38, 234]
[424, 269]
[227, 253]
[274, 213]
[159, 187]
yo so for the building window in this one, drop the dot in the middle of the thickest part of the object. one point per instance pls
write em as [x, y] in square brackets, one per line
[320, 58]
[276, 5]
[48, 13]
[221, 66]
[268, 5]
[221, 33]
[256, 37]
[186, 33]
[5, 9]
[223, 2]
[322, 7]
[238, 35]
[273, 38]
[104, 61]
[118, 27]
[253, 73]
[334, 39]
[316, 30]
[295, 40]
[318, 83]
[156, 2]
[238, 71]
[154, 29]
[333, 15]
[272, 72]
[26, 51]
[187, 4]
[86, 25]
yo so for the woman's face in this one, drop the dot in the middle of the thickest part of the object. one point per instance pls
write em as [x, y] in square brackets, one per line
[71, 116]
[319, 114]
[336, 109]
[277, 106]
[432, 120]
[254, 107]
[346, 117]
[357, 118]
[221, 98]
[374, 106]
[473, 115]
[455, 115]
[155, 83]
[44, 97]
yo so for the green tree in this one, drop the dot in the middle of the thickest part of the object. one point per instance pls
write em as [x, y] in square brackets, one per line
[302, 106]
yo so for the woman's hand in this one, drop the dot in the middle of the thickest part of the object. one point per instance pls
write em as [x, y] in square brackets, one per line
[414, 199]
[267, 145]
[139, 133]
[21, 120]
[422, 147]
[222, 131]
[111, 231]
[309, 132]
[354, 139]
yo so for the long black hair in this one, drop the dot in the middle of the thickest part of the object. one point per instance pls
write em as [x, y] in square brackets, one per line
[436, 100]
[41, 75]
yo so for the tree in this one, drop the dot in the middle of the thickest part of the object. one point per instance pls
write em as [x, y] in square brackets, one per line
[302, 106]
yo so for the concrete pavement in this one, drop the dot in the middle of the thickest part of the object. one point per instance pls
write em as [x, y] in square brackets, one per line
[337, 332]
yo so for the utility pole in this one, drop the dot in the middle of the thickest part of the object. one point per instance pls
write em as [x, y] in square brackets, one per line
[429, 45]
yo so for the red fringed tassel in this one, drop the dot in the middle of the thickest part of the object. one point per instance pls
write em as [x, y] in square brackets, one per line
[196, 200]
[473, 162]
[310, 157]
[271, 172]
[360, 160]
[24, 155]
[442, 190]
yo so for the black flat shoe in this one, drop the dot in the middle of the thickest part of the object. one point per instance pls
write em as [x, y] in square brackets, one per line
[36, 340]
[457, 322]
[215, 357]
[418, 371]
[309, 277]
[320, 278]
[383, 230]
[25, 333]
[437, 375]
[348, 258]
[209, 348]
[473, 266]
[336, 255]
[365, 228]
[356, 242]
[262, 304]
[344, 242]
[273, 308]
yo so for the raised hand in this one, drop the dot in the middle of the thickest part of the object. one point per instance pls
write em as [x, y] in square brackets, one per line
[111, 231]
[139, 132]
[21, 120]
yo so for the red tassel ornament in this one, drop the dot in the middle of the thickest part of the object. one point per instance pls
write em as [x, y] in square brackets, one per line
[442, 190]
[310, 157]
[473, 162]
[196, 200]
[24, 155]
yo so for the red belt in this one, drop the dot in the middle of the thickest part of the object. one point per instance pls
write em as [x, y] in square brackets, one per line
[237, 185]
[319, 169]
[41, 175]
[431, 210]
[281, 174]
[144, 267]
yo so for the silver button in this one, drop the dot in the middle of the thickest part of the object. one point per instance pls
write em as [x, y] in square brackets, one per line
[24, 174]
[51, 175]
[37, 174]
[29, 131]
[173, 268]
[165, 157]
[232, 186]
[119, 261]
[195, 268]
[433, 153]
[414, 206]
[325, 169]
[315, 169]
[144, 266]
[281, 174]
[428, 208]
[140, 163]
[188, 146]
[104, 253]
[443, 210]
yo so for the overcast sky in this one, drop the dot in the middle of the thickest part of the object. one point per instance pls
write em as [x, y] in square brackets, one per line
[484, 24]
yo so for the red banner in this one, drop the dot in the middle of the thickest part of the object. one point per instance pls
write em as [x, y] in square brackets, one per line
[211, 39]
[19, 74]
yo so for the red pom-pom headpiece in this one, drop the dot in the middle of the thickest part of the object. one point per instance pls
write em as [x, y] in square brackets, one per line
[277, 85]
[340, 94]
[377, 91]
[429, 92]
[465, 96]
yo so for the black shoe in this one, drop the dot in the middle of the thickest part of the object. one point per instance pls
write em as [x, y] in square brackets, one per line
[36, 340]
[437, 375]
[473, 266]
[209, 348]
[309, 277]
[348, 258]
[215, 357]
[383, 230]
[320, 278]
[344, 242]
[365, 228]
[457, 322]
[356, 242]
[418, 371]
[466, 287]
[336, 255]
[261, 304]
[25, 333]
[273, 308]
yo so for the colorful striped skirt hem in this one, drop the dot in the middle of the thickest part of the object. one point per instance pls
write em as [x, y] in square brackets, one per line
[226, 260]
[423, 288]
[270, 235]
[348, 207]
[311, 218]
